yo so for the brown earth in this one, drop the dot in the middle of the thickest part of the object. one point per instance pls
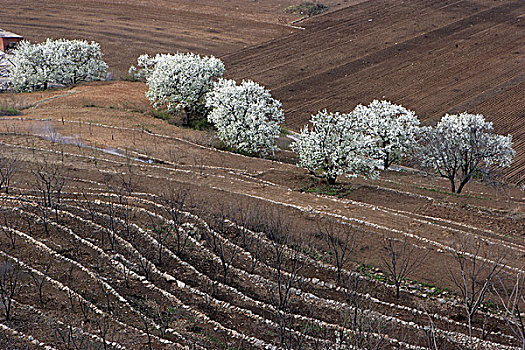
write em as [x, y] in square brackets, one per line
[434, 57]
[63, 127]
[127, 29]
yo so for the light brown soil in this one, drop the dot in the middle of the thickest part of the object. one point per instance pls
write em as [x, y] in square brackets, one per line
[400, 204]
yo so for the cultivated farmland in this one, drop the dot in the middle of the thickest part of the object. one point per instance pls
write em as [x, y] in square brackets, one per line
[106, 252]
[434, 57]
[120, 230]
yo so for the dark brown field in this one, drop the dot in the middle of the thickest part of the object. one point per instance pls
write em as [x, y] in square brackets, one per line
[434, 57]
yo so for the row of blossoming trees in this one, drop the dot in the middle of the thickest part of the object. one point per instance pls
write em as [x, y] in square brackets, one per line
[248, 118]
[361, 142]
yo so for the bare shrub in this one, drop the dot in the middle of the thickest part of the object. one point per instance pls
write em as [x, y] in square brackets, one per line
[401, 260]
[340, 241]
[10, 287]
[477, 264]
[8, 169]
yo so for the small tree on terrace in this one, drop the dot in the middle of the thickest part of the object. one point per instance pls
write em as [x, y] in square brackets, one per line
[180, 81]
[394, 127]
[461, 146]
[35, 66]
[335, 145]
[246, 116]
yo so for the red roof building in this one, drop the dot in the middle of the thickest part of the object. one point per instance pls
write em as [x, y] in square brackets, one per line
[8, 40]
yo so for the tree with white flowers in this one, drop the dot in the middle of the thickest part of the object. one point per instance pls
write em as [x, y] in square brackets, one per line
[394, 128]
[336, 144]
[36, 66]
[180, 81]
[246, 116]
[462, 145]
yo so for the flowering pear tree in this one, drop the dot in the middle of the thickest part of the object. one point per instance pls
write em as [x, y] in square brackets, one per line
[246, 116]
[394, 127]
[180, 81]
[35, 66]
[461, 145]
[336, 144]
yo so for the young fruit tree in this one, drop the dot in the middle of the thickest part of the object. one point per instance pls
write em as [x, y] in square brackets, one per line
[246, 116]
[336, 144]
[36, 66]
[462, 146]
[394, 127]
[180, 81]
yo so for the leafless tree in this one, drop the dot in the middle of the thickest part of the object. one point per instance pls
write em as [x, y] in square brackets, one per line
[173, 202]
[10, 286]
[145, 267]
[512, 302]
[367, 331]
[477, 265]
[41, 280]
[401, 260]
[248, 218]
[70, 338]
[8, 167]
[9, 228]
[340, 240]
[215, 237]
[288, 265]
[107, 331]
[161, 232]
[164, 316]
[50, 181]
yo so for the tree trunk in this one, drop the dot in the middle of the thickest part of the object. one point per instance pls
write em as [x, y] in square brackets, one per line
[331, 180]
[187, 118]
[463, 183]
[452, 185]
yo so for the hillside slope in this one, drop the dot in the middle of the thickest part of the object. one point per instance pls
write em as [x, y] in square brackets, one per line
[431, 56]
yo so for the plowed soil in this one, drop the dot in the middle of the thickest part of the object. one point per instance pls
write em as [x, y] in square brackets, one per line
[434, 57]
[127, 29]
[100, 134]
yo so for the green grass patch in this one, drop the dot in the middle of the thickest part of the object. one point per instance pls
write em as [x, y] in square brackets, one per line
[307, 8]
[9, 111]
[337, 190]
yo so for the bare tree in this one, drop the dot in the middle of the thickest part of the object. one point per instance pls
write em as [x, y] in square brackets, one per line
[41, 280]
[8, 167]
[215, 237]
[402, 260]
[367, 331]
[512, 302]
[477, 265]
[340, 241]
[9, 229]
[173, 202]
[50, 181]
[288, 265]
[9, 286]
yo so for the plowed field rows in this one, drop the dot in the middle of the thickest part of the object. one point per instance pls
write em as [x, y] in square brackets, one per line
[111, 275]
[431, 56]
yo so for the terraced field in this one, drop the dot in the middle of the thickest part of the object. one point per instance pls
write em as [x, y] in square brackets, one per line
[431, 56]
[126, 233]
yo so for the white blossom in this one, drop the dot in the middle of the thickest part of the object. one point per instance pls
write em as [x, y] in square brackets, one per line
[336, 144]
[461, 145]
[246, 116]
[394, 127]
[180, 81]
[35, 66]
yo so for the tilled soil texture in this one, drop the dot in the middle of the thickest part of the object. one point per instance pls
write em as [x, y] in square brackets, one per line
[115, 270]
[434, 57]
[127, 29]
